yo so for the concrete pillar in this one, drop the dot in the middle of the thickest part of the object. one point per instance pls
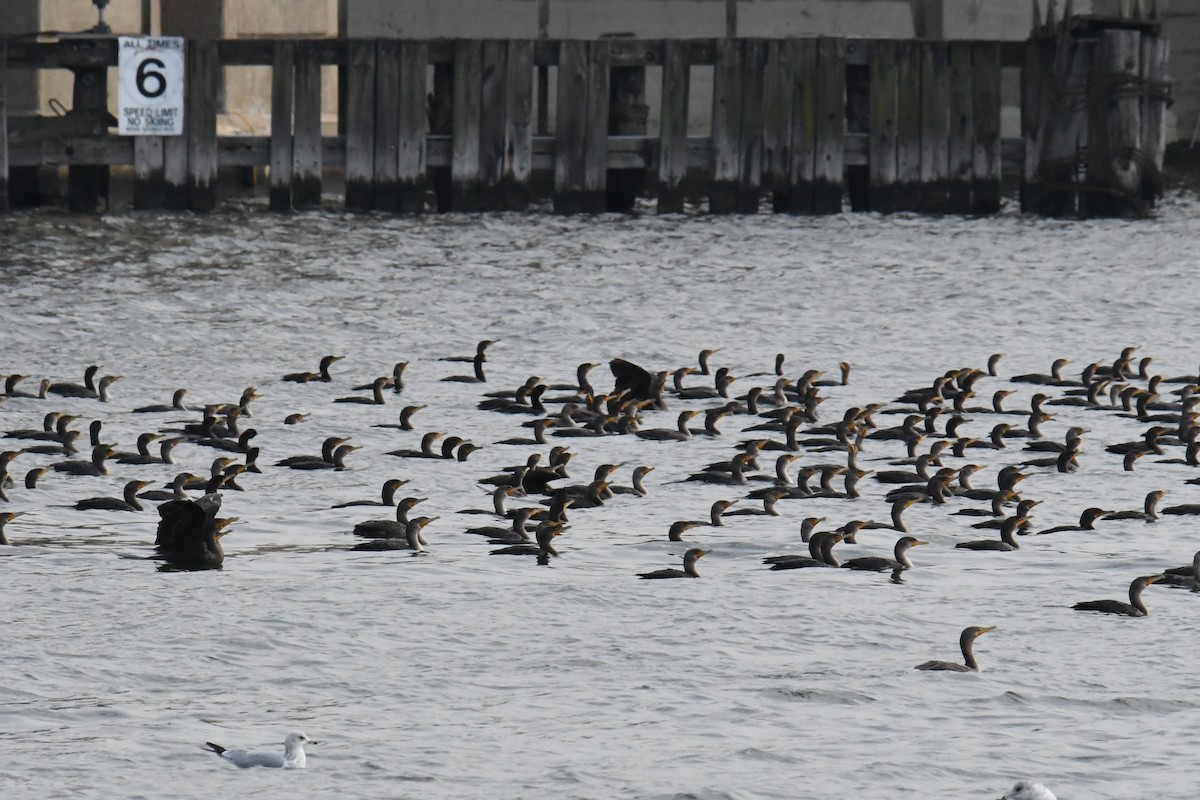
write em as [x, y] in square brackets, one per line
[929, 18]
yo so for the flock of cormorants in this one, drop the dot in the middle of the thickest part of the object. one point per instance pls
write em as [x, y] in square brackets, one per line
[946, 435]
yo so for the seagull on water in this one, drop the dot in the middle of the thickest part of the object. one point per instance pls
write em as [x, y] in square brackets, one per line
[292, 756]
[1029, 790]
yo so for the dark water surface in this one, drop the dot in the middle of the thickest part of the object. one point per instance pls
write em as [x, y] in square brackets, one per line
[458, 674]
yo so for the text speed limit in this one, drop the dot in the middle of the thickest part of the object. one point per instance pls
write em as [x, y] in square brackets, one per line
[151, 86]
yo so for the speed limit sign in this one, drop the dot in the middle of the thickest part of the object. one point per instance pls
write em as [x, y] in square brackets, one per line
[151, 86]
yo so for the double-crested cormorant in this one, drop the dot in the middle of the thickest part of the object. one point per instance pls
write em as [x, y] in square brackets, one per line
[735, 477]
[5, 518]
[511, 535]
[635, 382]
[1187, 576]
[1181, 510]
[881, 564]
[322, 373]
[545, 533]
[189, 534]
[820, 553]
[338, 462]
[1055, 377]
[1005, 543]
[405, 423]
[966, 641]
[412, 538]
[689, 566]
[94, 467]
[376, 398]
[291, 758]
[1029, 790]
[128, 503]
[1149, 512]
[386, 528]
[426, 450]
[327, 448]
[680, 434]
[1087, 522]
[176, 404]
[480, 351]
[638, 486]
[476, 377]
[1134, 608]
[388, 498]
[87, 389]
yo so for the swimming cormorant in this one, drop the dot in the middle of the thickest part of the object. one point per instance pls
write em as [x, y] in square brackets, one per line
[1134, 608]
[189, 534]
[322, 373]
[966, 642]
[881, 564]
[128, 503]
[689, 566]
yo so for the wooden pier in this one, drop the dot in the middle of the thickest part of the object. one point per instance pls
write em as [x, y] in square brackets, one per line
[464, 125]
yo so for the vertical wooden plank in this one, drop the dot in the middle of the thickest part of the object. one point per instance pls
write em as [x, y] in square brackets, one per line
[628, 115]
[385, 161]
[882, 193]
[494, 80]
[570, 129]
[1064, 130]
[175, 148]
[805, 91]
[306, 140]
[441, 123]
[1155, 50]
[935, 126]
[412, 182]
[148, 172]
[204, 86]
[751, 137]
[986, 105]
[830, 116]
[672, 135]
[1035, 84]
[466, 131]
[595, 159]
[175, 172]
[726, 127]
[283, 65]
[1114, 163]
[518, 125]
[87, 186]
[908, 125]
[4, 205]
[359, 106]
[960, 151]
[778, 79]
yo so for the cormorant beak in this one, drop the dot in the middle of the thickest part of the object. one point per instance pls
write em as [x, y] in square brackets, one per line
[1155, 579]
[919, 541]
[984, 630]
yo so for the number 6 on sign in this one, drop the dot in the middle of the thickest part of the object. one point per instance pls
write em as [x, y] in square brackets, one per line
[151, 86]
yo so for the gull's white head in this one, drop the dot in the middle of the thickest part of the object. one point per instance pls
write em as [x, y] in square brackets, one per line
[1029, 790]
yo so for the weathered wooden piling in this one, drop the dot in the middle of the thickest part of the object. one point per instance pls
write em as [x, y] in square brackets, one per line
[986, 165]
[200, 122]
[883, 192]
[829, 105]
[283, 64]
[306, 136]
[364, 74]
[672, 137]
[413, 127]
[517, 156]
[3, 126]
